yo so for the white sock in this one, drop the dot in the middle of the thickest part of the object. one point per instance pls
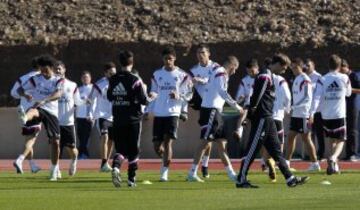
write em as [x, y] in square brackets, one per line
[20, 158]
[205, 161]
[193, 170]
[229, 169]
[288, 163]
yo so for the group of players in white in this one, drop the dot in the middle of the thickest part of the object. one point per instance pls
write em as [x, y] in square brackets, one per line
[48, 97]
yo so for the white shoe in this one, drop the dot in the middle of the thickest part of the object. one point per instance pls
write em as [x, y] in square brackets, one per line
[314, 167]
[164, 171]
[115, 177]
[337, 168]
[18, 166]
[72, 168]
[35, 169]
[53, 174]
[106, 168]
[131, 184]
[194, 178]
[58, 174]
[232, 176]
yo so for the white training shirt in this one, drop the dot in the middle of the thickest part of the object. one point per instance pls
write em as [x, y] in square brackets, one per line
[83, 110]
[216, 94]
[101, 107]
[24, 103]
[314, 77]
[282, 101]
[302, 96]
[204, 73]
[331, 93]
[245, 90]
[67, 102]
[41, 88]
[162, 83]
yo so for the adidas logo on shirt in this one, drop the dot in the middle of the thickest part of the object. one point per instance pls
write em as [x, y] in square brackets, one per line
[333, 87]
[119, 90]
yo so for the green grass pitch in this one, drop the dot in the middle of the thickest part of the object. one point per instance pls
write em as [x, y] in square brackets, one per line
[93, 190]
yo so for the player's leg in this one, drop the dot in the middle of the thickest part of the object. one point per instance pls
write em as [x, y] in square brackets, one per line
[319, 133]
[184, 111]
[200, 150]
[290, 146]
[310, 147]
[253, 147]
[205, 161]
[166, 160]
[83, 130]
[133, 149]
[120, 152]
[221, 146]
[104, 145]
[270, 164]
[68, 141]
[337, 146]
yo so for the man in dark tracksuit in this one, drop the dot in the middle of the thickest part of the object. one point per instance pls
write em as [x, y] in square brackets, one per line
[127, 94]
[260, 114]
[351, 112]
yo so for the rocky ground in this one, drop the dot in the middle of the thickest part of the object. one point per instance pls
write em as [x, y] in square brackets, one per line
[284, 22]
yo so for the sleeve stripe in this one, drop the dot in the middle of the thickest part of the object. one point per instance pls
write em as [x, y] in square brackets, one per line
[33, 81]
[185, 78]
[60, 81]
[76, 89]
[220, 74]
[304, 83]
[319, 81]
[136, 84]
[96, 87]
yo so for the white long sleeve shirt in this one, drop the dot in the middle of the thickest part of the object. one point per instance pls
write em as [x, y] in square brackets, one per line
[203, 72]
[101, 107]
[301, 96]
[22, 80]
[331, 93]
[282, 101]
[83, 110]
[314, 77]
[216, 94]
[67, 102]
[245, 90]
[41, 88]
[162, 83]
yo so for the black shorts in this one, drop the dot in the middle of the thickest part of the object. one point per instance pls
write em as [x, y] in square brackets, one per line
[51, 124]
[32, 127]
[106, 127]
[280, 130]
[67, 136]
[165, 126]
[335, 128]
[299, 125]
[211, 124]
[127, 140]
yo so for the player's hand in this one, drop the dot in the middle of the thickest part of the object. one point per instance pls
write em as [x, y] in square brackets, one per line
[90, 119]
[28, 97]
[152, 95]
[198, 80]
[240, 109]
[174, 95]
[310, 122]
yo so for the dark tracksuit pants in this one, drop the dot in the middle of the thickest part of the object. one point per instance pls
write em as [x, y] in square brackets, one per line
[351, 130]
[263, 132]
[83, 130]
[127, 145]
[318, 131]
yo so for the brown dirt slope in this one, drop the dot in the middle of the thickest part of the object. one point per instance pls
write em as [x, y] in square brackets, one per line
[280, 22]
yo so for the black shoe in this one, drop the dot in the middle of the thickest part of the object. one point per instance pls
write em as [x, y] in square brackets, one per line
[246, 184]
[205, 172]
[331, 167]
[131, 182]
[183, 116]
[298, 181]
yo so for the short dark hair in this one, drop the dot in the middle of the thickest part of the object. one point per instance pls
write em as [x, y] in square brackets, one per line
[203, 46]
[231, 59]
[334, 62]
[252, 63]
[59, 63]
[344, 63]
[34, 62]
[267, 62]
[108, 66]
[85, 72]
[126, 58]
[298, 62]
[169, 51]
[280, 58]
[309, 60]
[46, 60]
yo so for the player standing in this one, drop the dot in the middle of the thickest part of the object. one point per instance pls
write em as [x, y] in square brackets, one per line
[214, 97]
[171, 86]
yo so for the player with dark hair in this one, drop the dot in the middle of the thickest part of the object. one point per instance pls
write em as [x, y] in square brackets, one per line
[45, 89]
[32, 128]
[101, 111]
[263, 132]
[171, 86]
[127, 94]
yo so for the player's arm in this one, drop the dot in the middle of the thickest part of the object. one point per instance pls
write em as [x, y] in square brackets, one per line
[77, 98]
[261, 83]
[28, 85]
[154, 90]
[286, 96]
[109, 94]
[356, 84]
[348, 87]
[140, 92]
[14, 90]
[54, 96]
[317, 97]
[240, 94]
[221, 85]
[186, 89]
[93, 97]
[305, 87]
